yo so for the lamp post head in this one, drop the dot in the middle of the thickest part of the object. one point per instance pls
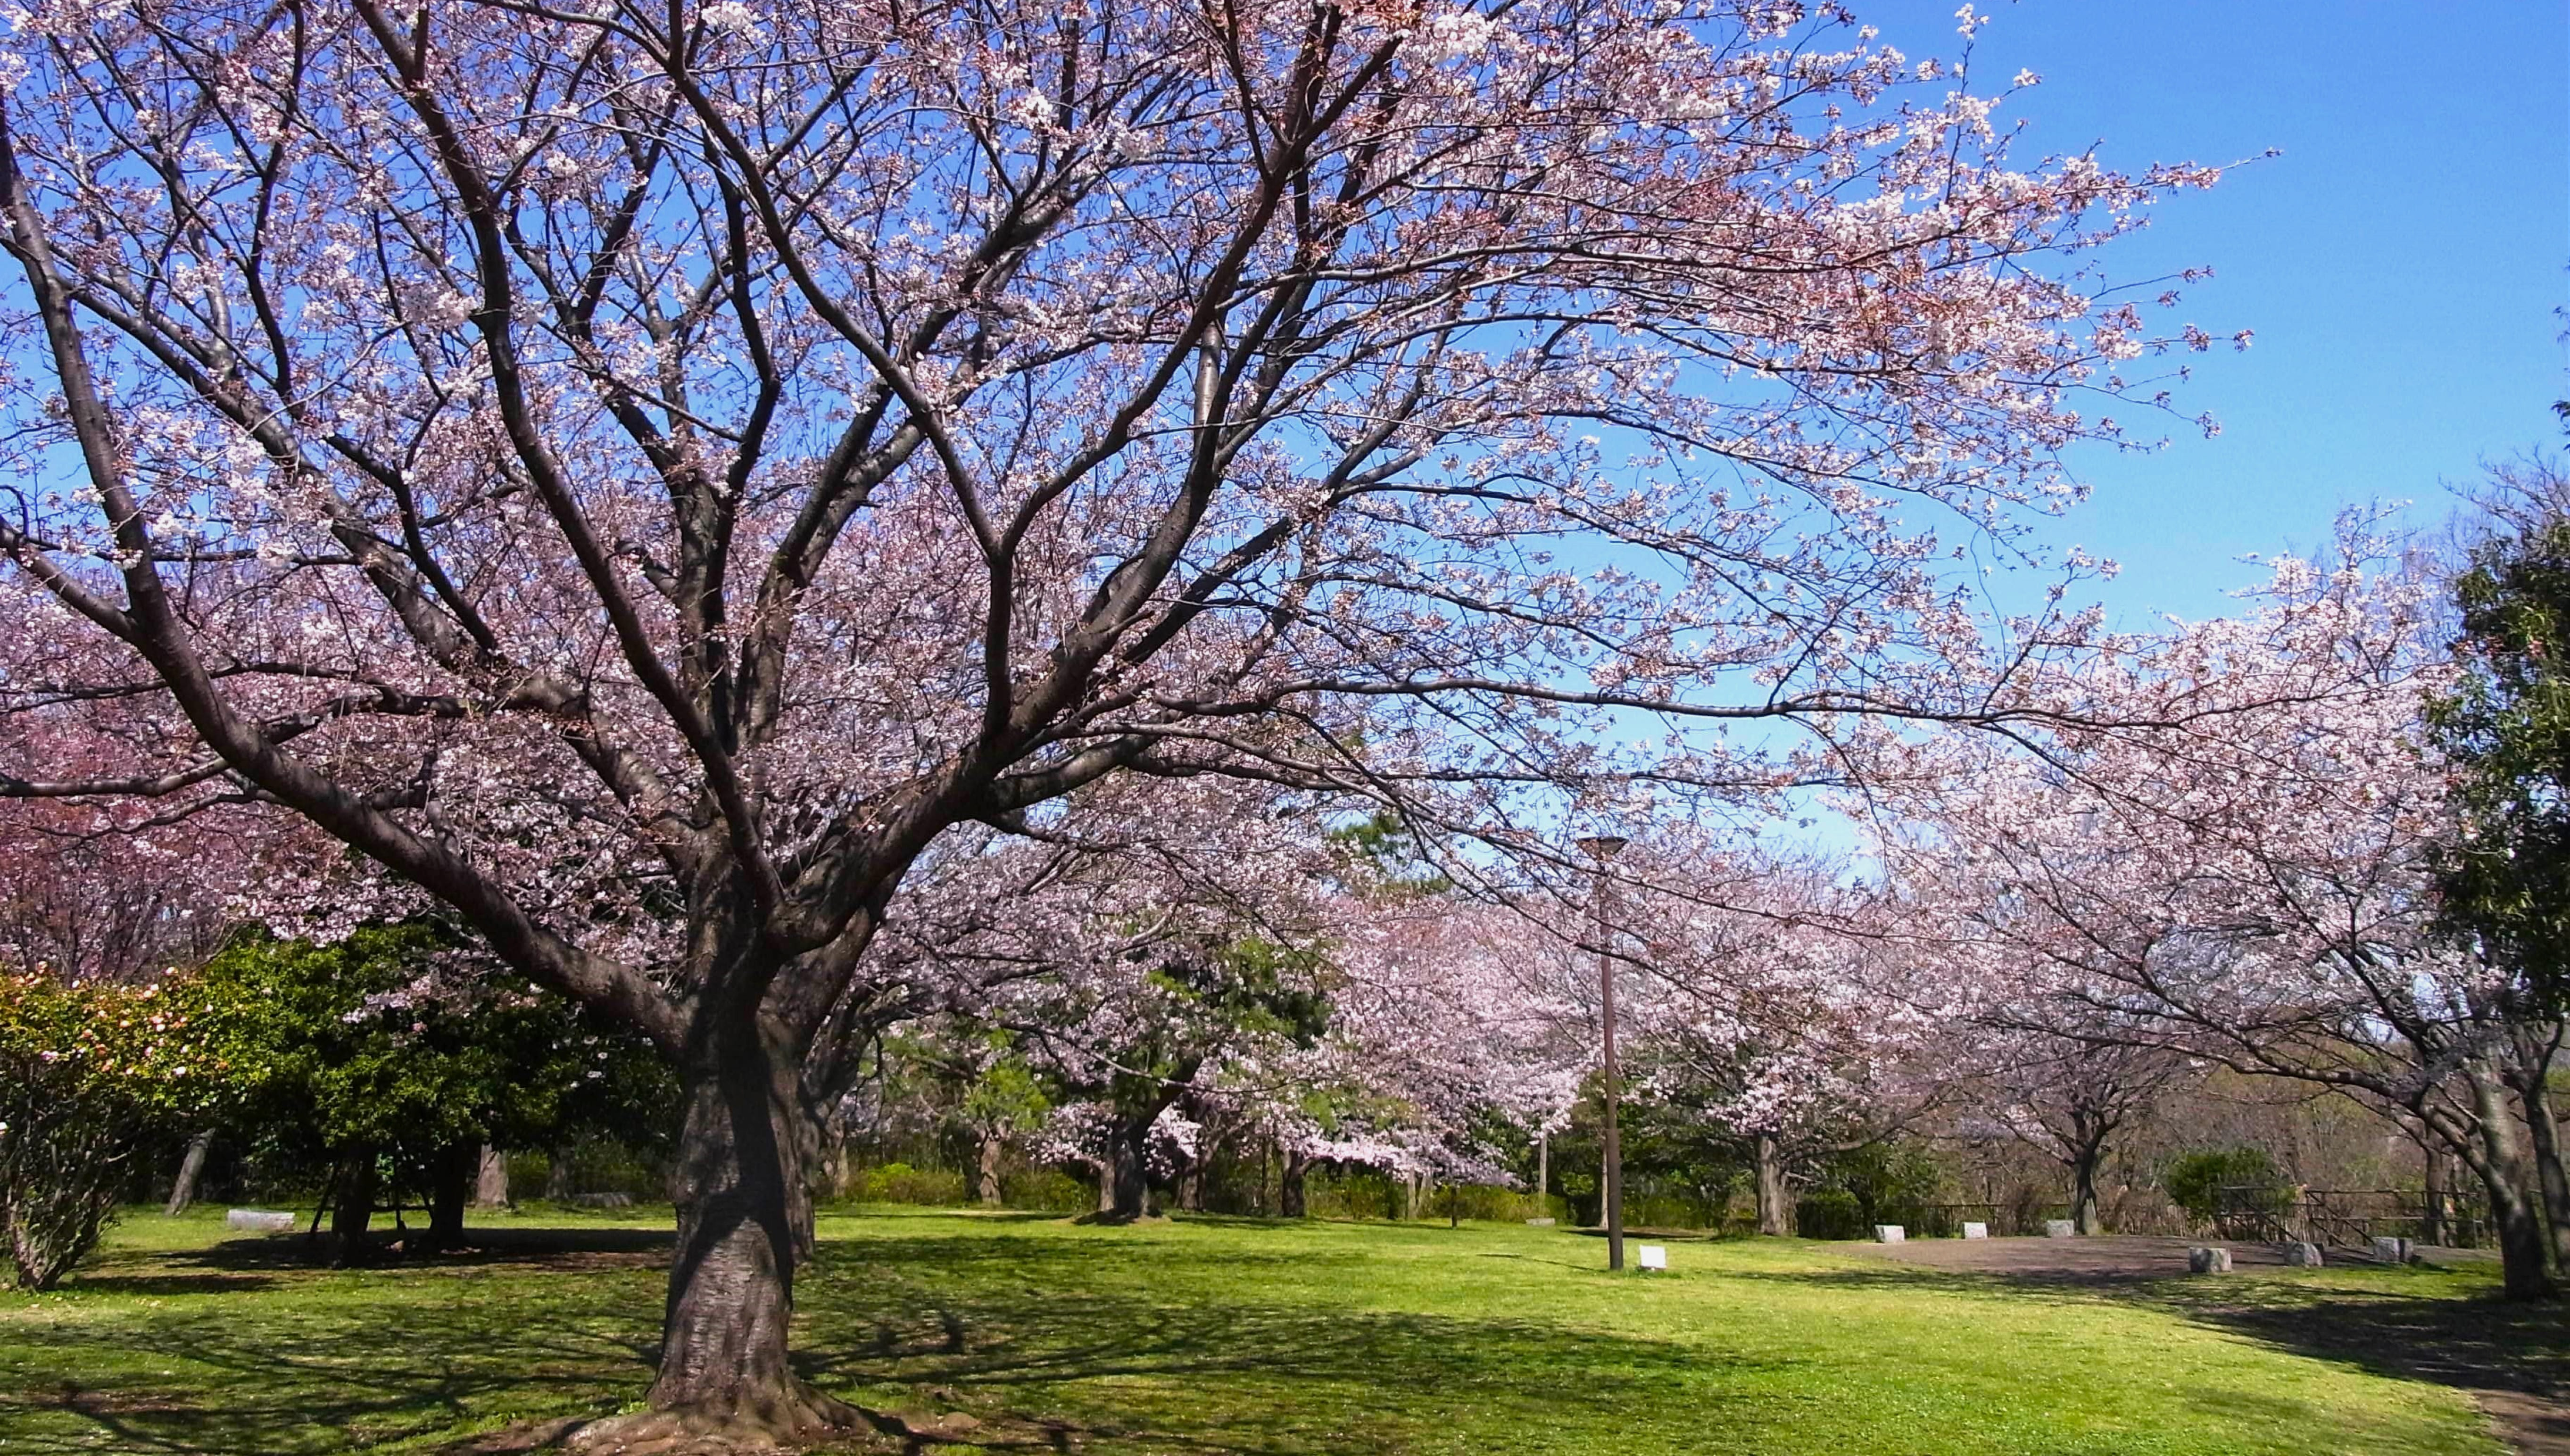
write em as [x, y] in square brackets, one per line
[1602, 847]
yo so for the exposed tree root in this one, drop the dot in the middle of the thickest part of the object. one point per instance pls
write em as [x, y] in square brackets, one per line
[808, 1422]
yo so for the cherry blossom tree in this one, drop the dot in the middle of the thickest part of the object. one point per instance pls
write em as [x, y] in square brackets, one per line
[642, 477]
[1766, 1008]
[2243, 871]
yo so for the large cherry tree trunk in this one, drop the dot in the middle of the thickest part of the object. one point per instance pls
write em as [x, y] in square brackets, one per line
[2525, 1265]
[1128, 1195]
[1775, 1211]
[2543, 1145]
[744, 1214]
[988, 1180]
[2083, 1189]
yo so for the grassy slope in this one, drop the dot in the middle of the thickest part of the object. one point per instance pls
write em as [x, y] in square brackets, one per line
[1237, 1336]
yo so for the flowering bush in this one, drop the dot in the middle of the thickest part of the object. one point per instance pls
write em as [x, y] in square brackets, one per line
[83, 1070]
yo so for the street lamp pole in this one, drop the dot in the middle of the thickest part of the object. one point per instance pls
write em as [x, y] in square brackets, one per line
[1601, 849]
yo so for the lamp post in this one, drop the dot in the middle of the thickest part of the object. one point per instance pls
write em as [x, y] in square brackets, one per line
[1602, 847]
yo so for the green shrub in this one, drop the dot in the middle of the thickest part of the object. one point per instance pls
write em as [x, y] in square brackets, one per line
[85, 1072]
[1046, 1190]
[899, 1183]
[1828, 1212]
[2237, 1189]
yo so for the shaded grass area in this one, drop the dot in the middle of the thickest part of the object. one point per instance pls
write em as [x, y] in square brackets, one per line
[1219, 1336]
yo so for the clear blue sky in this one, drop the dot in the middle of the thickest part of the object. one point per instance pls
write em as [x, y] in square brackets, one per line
[2403, 262]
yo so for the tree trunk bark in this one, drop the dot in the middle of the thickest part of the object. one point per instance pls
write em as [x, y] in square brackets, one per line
[1130, 1189]
[2431, 1218]
[450, 1188]
[988, 1180]
[2543, 1135]
[558, 1187]
[182, 1190]
[2084, 1190]
[490, 1179]
[1774, 1212]
[355, 1206]
[2526, 1271]
[742, 1207]
[1289, 1183]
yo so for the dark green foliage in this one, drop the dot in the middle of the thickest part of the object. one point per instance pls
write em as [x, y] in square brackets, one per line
[68, 1123]
[2237, 1189]
[1891, 1182]
[2506, 726]
[1828, 1212]
[395, 1044]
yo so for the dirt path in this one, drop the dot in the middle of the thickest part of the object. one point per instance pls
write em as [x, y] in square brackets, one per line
[2514, 1361]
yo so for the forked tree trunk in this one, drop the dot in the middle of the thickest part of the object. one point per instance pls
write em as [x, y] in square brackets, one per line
[992, 1144]
[742, 1202]
[2524, 1274]
[1775, 1211]
[2543, 1139]
[2525, 1270]
[1289, 1183]
[182, 1190]
[2084, 1190]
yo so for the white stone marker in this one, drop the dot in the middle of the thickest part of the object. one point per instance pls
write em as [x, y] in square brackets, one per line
[1890, 1234]
[2059, 1229]
[1653, 1256]
[2392, 1251]
[260, 1220]
[1539, 1223]
[2201, 1260]
[2303, 1255]
[1976, 1231]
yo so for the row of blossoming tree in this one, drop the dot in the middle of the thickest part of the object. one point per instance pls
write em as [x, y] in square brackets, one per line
[780, 520]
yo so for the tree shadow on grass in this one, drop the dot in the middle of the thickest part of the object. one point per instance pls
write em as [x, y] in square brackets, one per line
[1090, 1341]
[549, 1248]
[322, 1362]
[1079, 1339]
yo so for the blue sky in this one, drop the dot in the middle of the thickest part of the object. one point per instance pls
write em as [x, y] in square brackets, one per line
[2403, 262]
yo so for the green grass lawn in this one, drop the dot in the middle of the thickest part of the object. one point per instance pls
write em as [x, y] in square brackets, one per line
[1225, 1336]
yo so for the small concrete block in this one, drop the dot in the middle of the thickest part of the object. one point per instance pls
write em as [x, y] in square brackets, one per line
[2059, 1229]
[1976, 1231]
[1539, 1223]
[260, 1220]
[2303, 1255]
[1653, 1256]
[2392, 1251]
[2201, 1260]
[1890, 1234]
